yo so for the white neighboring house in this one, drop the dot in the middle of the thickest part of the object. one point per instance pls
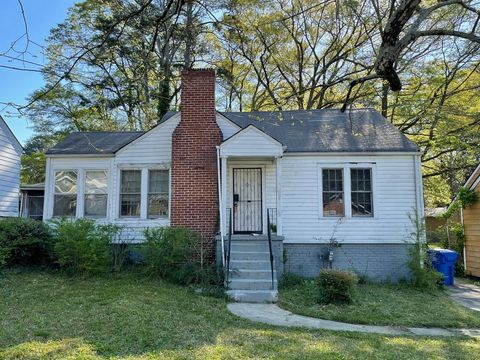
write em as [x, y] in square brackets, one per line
[10, 153]
[315, 174]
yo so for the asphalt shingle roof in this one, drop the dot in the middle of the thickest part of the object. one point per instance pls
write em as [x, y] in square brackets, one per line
[324, 130]
[327, 130]
[101, 142]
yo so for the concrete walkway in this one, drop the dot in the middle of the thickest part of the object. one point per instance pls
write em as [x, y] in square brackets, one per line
[273, 315]
[466, 294]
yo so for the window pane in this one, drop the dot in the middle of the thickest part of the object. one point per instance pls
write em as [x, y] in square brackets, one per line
[96, 182]
[157, 205]
[131, 181]
[158, 181]
[333, 204]
[362, 192]
[65, 182]
[158, 189]
[96, 205]
[130, 205]
[65, 205]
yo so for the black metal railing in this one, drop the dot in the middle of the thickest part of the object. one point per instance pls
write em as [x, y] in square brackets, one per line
[272, 213]
[229, 242]
[269, 237]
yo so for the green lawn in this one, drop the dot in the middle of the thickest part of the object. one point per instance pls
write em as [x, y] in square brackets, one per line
[381, 304]
[50, 316]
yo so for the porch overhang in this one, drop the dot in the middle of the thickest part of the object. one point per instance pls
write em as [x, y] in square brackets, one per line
[251, 142]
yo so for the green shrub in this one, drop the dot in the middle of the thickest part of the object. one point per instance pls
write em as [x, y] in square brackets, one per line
[336, 286]
[424, 276]
[176, 254]
[82, 246]
[290, 280]
[24, 242]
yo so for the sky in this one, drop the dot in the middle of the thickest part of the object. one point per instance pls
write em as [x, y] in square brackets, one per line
[15, 85]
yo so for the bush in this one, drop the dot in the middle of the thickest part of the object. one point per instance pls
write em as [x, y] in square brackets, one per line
[336, 286]
[424, 276]
[24, 242]
[290, 280]
[176, 254]
[82, 246]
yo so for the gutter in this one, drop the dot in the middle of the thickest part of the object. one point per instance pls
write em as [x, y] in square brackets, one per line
[220, 203]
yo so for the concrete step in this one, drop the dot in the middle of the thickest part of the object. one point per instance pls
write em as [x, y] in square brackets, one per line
[249, 255]
[247, 246]
[253, 296]
[249, 264]
[252, 284]
[253, 274]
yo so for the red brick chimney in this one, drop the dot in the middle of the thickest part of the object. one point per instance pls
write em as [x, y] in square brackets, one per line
[194, 201]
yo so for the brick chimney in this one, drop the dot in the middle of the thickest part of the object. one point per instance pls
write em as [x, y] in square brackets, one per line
[194, 199]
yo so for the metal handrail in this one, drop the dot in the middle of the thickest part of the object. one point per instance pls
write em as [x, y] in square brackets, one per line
[269, 237]
[229, 247]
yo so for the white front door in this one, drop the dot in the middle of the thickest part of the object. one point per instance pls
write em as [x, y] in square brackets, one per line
[247, 200]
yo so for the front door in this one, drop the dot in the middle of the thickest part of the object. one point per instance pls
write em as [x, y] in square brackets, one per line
[247, 200]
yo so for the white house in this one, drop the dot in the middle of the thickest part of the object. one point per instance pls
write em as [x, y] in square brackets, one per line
[313, 177]
[10, 153]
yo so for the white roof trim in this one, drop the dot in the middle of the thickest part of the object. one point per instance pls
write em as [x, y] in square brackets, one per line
[119, 151]
[474, 174]
[18, 146]
[248, 128]
[219, 114]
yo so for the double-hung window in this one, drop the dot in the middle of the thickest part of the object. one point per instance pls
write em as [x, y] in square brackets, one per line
[332, 192]
[158, 192]
[96, 184]
[361, 190]
[130, 193]
[65, 194]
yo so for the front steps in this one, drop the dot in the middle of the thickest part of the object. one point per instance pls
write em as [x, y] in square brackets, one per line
[250, 276]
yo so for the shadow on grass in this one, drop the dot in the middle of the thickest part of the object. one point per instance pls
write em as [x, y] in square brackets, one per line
[50, 316]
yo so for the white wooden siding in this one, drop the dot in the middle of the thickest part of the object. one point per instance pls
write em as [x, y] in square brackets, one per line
[10, 153]
[153, 147]
[227, 127]
[394, 199]
[251, 142]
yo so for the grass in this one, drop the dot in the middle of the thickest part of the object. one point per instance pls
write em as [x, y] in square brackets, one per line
[50, 316]
[383, 304]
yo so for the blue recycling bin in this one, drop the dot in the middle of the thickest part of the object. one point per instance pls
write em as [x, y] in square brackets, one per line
[444, 262]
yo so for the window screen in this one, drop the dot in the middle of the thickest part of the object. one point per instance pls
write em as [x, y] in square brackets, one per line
[96, 193]
[130, 193]
[65, 195]
[332, 184]
[362, 204]
[158, 185]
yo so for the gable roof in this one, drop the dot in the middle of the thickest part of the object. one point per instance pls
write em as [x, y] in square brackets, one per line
[98, 142]
[328, 130]
[11, 135]
[323, 130]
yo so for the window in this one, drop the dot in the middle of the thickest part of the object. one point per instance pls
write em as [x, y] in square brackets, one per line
[332, 192]
[65, 195]
[130, 193]
[362, 204]
[96, 193]
[158, 182]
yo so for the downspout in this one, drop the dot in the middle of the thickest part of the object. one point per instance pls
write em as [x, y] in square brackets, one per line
[464, 241]
[419, 195]
[220, 203]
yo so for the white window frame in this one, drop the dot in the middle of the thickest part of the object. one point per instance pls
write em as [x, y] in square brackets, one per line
[343, 191]
[84, 176]
[347, 189]
[143, 191]
[54, 182]
[169, 194]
